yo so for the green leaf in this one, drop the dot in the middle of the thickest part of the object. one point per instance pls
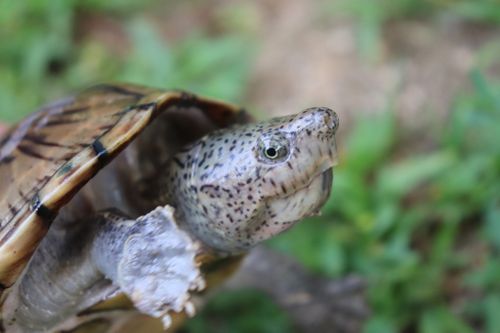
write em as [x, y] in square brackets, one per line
[492, 305]
[150, 63]
[492, 223]
[441, 320]
[370, 142]
[397, 180]
[350, 196]
[379, 324]
[245, 311]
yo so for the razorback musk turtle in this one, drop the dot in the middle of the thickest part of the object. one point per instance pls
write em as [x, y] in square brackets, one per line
[124, 189]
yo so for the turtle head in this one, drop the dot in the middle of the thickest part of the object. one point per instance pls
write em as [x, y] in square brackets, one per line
[248, 183]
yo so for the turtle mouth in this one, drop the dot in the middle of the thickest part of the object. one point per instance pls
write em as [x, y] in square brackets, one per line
[320, 185]
[282, 212]
[325, 178]
[323, 170]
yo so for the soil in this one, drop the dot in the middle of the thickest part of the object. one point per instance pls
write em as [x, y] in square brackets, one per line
[308, 57]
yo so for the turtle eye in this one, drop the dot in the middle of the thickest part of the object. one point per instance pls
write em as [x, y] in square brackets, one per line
[275, 152]
[274, 148]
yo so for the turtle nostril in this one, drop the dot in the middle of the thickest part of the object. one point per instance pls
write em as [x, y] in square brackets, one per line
[330, 118]
[334, 121]
[320, 118]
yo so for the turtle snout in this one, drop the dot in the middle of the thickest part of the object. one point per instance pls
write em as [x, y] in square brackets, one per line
[321, 118]
[329, 118]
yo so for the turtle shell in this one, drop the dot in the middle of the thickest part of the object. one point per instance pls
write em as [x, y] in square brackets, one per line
[50, 155]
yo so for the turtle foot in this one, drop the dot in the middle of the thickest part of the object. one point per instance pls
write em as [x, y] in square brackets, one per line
[151, 260]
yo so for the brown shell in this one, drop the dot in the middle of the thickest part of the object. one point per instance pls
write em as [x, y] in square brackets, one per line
[50, 155]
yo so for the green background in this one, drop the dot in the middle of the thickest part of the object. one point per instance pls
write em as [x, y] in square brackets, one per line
[404, 221]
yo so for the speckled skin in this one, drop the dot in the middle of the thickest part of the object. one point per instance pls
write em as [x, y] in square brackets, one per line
[231, 189]
[232, 196]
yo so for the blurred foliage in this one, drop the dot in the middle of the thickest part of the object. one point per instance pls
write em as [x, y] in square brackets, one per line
[424, 229]
[40, 58]
[249, 312]
[371, 15]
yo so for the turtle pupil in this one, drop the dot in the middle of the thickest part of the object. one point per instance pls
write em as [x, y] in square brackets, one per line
[271, 152]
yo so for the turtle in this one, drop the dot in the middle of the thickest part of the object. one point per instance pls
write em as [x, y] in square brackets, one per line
[129, 196]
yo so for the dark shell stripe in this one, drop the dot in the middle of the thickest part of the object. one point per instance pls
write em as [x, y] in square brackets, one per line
[28, 157]
[49, 156]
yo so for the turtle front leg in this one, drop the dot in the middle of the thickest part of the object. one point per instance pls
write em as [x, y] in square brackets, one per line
[150, 259]
[81, 263]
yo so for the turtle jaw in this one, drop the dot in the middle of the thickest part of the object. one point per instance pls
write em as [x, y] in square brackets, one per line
[277, 214]
[283, 212]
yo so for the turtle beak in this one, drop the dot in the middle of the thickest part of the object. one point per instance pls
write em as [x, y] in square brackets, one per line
[326, 187]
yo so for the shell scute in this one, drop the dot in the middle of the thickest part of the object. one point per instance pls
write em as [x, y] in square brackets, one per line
[50, 155]
[45, 158]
